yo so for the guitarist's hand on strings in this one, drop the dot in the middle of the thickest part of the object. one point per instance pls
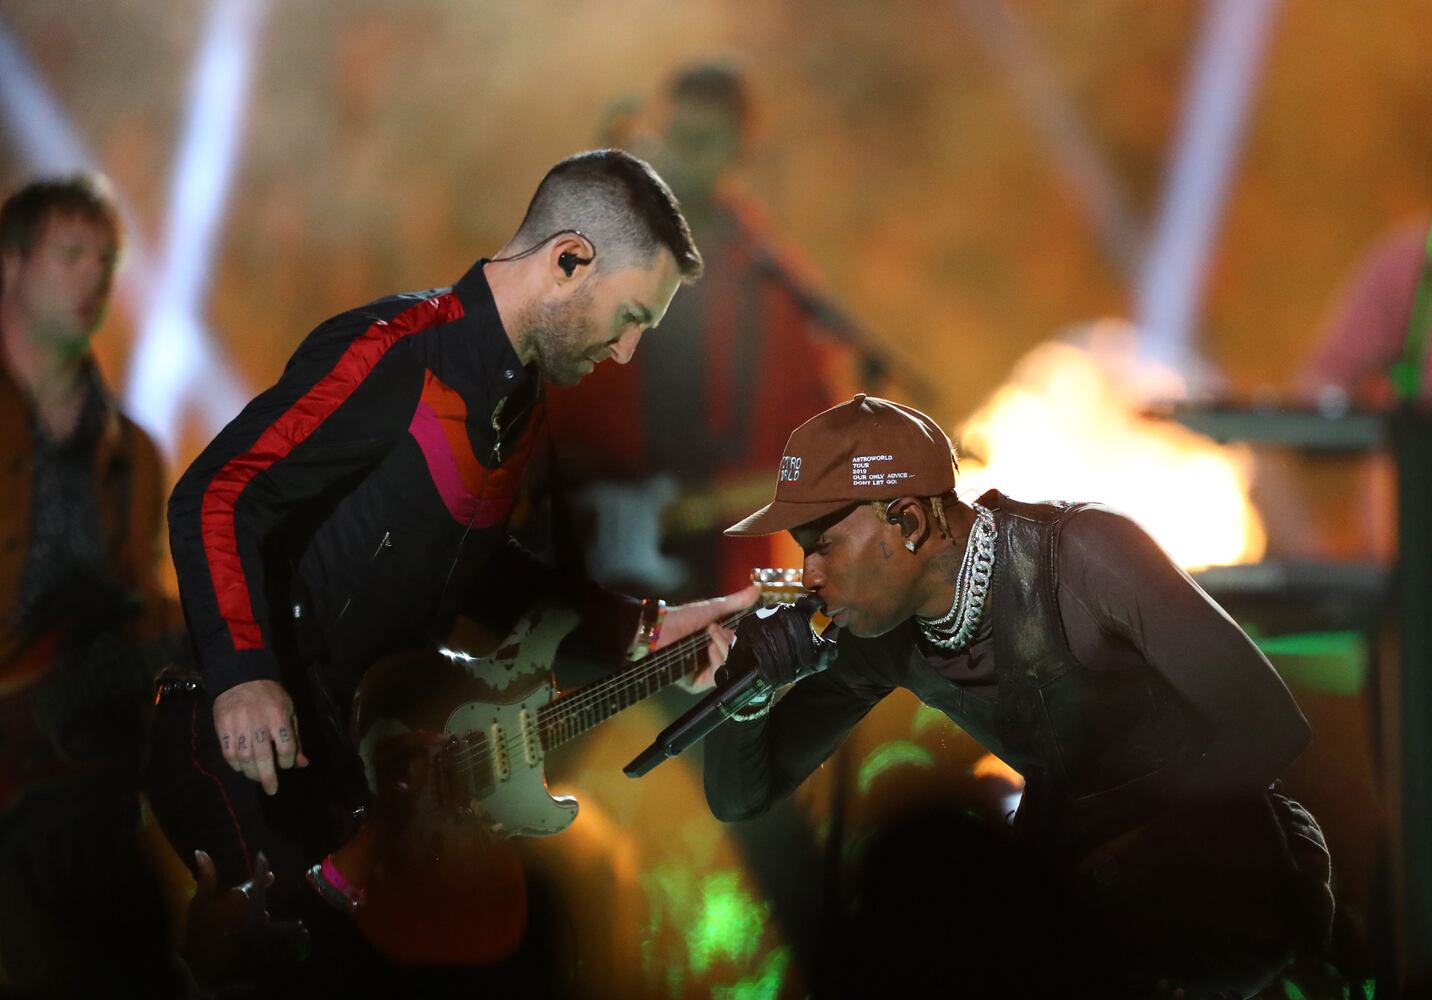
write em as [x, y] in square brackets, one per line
[256, 727]
[688, 619]
[716, 650]
[777, 645]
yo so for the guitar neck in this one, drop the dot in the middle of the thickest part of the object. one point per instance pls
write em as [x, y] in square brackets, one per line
[580, 710]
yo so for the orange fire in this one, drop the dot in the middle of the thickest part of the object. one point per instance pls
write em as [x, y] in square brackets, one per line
[1068, 425]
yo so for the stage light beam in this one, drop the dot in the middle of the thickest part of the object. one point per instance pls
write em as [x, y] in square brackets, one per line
[174, 362]
[1220, 91]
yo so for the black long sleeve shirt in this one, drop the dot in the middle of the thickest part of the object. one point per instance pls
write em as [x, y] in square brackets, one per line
[1124, 606]
[380, 471]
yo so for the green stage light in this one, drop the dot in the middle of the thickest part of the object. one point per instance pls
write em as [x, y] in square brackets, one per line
[1330, 662]
[895, 753]
[729, 923]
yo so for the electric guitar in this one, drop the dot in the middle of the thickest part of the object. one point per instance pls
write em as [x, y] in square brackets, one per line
[631, 521]
[452, 742]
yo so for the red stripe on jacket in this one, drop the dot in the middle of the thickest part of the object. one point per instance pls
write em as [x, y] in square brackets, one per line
[279, 439]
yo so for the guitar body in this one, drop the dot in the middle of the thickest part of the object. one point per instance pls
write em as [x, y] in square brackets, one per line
[625, 543]
[633, 519]
[453, 743]
[454, 769]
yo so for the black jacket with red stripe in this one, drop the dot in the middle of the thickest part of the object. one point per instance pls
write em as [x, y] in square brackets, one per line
[375, 480]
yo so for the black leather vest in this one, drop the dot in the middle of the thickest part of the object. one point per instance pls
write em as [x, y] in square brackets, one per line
[1101, 751]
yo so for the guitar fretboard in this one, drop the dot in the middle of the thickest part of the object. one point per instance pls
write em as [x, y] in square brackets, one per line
[578, 711]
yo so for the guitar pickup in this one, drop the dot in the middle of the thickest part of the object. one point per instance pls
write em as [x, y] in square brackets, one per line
[501, 765]
[531, 738]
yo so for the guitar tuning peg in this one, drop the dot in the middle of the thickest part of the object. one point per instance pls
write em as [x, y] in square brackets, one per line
[776, 575]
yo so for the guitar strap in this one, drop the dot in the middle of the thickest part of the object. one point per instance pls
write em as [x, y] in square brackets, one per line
[1409, 370]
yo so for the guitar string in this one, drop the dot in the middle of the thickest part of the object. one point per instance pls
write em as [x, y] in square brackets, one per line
[552, 715]
[601, 692]
[626, 681]
[553, 728]
[623, 682]
[596, 693]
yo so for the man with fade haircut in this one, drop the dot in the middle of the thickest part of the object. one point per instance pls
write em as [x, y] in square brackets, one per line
[353, 508]
[1148, 728]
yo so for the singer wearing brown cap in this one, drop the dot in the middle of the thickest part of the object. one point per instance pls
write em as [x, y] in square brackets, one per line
[1147, 726]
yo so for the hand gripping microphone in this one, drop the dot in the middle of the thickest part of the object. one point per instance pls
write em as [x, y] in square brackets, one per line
[773, 647]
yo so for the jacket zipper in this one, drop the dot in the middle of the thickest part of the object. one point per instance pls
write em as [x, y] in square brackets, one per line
[500, 431]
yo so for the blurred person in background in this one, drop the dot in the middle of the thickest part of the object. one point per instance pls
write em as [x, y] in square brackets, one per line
[355, 508]
[1368, 358]
[1368, 328]
[655, 456]
[1371, 355]
[652, 459]
[81, 606]
[1149, 845]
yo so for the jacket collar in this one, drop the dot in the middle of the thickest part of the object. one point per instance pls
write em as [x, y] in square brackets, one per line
[494, 350]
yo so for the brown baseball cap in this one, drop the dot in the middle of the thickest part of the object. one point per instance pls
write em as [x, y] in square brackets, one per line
[866, 449]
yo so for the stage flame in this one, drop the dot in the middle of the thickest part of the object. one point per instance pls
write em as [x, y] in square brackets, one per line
[1068, 425]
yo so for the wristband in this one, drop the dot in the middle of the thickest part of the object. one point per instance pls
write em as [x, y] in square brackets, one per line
[326, 880]
[757, 708]
[763, 710]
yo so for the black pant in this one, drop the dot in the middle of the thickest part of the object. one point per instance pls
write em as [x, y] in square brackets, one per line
[943, 899]
[202, 803]
[80, 909]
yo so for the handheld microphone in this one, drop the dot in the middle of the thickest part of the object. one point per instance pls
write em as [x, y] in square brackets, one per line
[732, 693]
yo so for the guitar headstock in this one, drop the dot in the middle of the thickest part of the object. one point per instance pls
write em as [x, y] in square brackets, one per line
[778, 586]
[784, 586]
